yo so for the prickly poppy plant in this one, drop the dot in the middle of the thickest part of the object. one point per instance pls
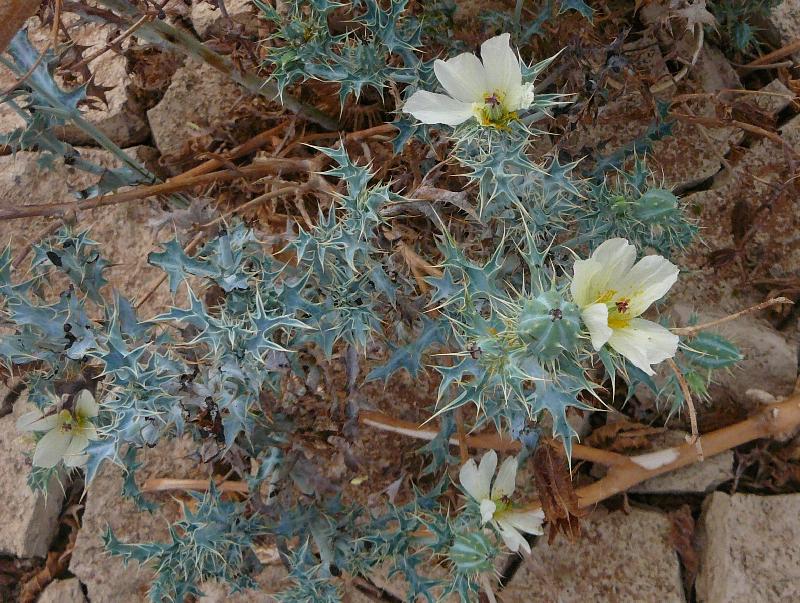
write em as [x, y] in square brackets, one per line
[541, 295]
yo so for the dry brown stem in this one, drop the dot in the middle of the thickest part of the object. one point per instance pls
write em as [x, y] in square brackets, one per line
[775, 55]
[258, 169]
[693, 330]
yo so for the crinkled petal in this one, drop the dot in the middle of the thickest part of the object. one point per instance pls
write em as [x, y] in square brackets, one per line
[76, 447]
[506, 480]
[511, 536]
[469, 478]
[503, 73]
[643, 343]
[433, 108]
[526, 98]
[525, 521]
[486, 470]
[463, 77]
[648, 281]
[475, 480]
[89, 431]
[488, 507]
[51, 448]
[86, 405]
[617, 257]
[583, 275]
[595, 317]
[76, 460]
[35, 421]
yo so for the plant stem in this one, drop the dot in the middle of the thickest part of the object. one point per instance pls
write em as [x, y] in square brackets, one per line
[625, 472]
[270, 166]
[162, 33]
[692, 330]
[774, 420]
[494, 441]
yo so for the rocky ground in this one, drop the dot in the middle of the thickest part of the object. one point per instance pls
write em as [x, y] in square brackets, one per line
[716, 532]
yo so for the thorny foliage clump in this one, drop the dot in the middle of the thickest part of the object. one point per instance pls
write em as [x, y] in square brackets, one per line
[489, 311]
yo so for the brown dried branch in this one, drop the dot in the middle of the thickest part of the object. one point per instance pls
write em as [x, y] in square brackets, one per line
[687, 395]
[776, 420]
[257, 169]
[692, 330]
[556, 492]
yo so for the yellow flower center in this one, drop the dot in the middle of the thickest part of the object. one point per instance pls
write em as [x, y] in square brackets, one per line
[493, 112]
[502, 505]
[69, 423]
[618, 309]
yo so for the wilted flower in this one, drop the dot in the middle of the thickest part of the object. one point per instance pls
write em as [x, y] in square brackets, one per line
[495, 499]
[491, 91]
[612, 293]
[68, 433]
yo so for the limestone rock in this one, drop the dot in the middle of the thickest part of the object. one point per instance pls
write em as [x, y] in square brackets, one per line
[63, 591]
[770, 361]
[106, 578]
[271, 579]
[784, 23]
[618, 558]
[751, 549]
[691, 154]
[123, 231]
[122, 119]
[778, 98]
[28, 520]
[198, 97]
[208, 20]
[699, 477]
[397, 587]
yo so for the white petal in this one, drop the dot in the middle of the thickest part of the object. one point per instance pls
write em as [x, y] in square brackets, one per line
[51, 448]
[506, 479]
[470, 481]
[432, 108]
[487, 510]
[35, 421]
[76, 446]
[581, 287]
[644, 343]
[463, 77]
[477, 480]
[503, 73]
[525, 521]
[89, 431]
[617, 257]
[648, 281]
[595, 317]
[513, 539]
[486, 471]
[86, 405]
[78, 460]
[526, 97]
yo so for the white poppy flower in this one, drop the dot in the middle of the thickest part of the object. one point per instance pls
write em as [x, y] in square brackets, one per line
[68, 433]
[612, 293]
[495, 499]
[491, 91]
